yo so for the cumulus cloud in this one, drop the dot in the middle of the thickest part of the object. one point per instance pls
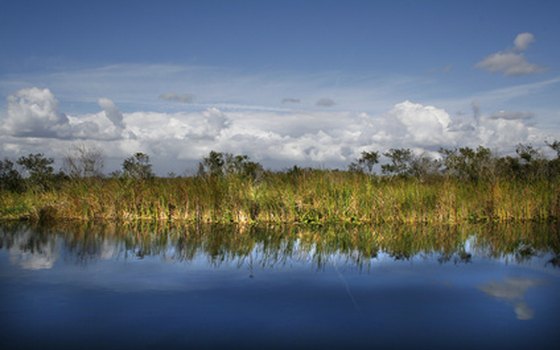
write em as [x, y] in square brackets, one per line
[424, 125]
[512, 62]
[215, 121]
[111, 112]
[181, 98]
[33, 112]
[164, 131]
[276, 137]
[325, 102]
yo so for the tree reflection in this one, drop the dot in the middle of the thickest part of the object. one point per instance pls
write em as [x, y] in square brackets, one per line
[269, 246]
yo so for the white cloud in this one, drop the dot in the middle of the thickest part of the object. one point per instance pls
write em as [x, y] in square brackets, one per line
[523, 40]
[327, 138]
[33, 112]
[275, 137]
[511, 62]
[215, 120]
[136, 87]
[512, 115]
[425, 125]
[111, 112]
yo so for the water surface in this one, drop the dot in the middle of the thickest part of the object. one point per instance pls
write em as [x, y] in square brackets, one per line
[144, 286]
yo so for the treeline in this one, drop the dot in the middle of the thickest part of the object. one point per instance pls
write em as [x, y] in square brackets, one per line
[36, 172]
[464, 163]
[396, 186]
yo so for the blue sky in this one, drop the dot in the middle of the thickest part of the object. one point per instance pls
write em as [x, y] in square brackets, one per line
[287, 82]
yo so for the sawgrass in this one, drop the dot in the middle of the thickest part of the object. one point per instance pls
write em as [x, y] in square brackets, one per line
[311, 197]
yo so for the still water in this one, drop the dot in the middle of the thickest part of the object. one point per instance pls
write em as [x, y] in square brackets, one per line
[124, 287]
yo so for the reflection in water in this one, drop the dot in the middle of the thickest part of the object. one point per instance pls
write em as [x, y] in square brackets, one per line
[257, 286]
[513, 291]
[267, 246]
[30, 253]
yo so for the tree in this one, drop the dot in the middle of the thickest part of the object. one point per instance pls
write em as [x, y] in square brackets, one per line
[219, 164]
[555, 145]
[252, 170]
[527, 153]
[468, 164]
[366, 161]
[423, 167]
[138, 167]
[212, 165]
[400, 162]
[532, 163]
[84, 161]
[39, 170]
[10, 178]
[554, 165]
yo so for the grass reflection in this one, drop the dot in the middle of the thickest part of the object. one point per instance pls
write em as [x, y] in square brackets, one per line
[272, 245]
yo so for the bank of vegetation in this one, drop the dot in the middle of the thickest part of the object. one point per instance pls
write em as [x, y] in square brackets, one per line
[397, 186]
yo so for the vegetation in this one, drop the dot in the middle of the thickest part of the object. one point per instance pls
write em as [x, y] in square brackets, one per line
[138, 167]
[464, 185]
[365, 163]
[218, 164]
[84, 161]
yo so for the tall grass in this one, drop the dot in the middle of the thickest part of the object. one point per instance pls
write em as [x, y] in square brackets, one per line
[313, 197]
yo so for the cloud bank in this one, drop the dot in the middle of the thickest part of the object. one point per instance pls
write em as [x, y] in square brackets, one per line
[32, 122]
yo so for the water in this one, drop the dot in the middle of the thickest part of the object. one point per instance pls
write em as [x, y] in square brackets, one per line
[290, 287]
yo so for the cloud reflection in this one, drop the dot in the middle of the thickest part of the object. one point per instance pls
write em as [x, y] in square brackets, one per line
[513, 290]
[34, 259]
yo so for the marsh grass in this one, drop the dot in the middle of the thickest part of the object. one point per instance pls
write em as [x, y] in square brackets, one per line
[309, 197]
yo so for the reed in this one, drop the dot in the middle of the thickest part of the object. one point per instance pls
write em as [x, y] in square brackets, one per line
[310, 197]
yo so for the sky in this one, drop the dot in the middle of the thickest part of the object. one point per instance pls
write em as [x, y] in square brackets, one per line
[312, 83]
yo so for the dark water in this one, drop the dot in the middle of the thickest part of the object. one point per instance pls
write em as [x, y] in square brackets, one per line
[107, 287]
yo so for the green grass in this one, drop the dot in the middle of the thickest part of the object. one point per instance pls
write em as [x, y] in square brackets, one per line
[310, 197]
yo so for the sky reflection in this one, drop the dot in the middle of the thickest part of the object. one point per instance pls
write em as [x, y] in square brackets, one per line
[513, 290]
[292, 287]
